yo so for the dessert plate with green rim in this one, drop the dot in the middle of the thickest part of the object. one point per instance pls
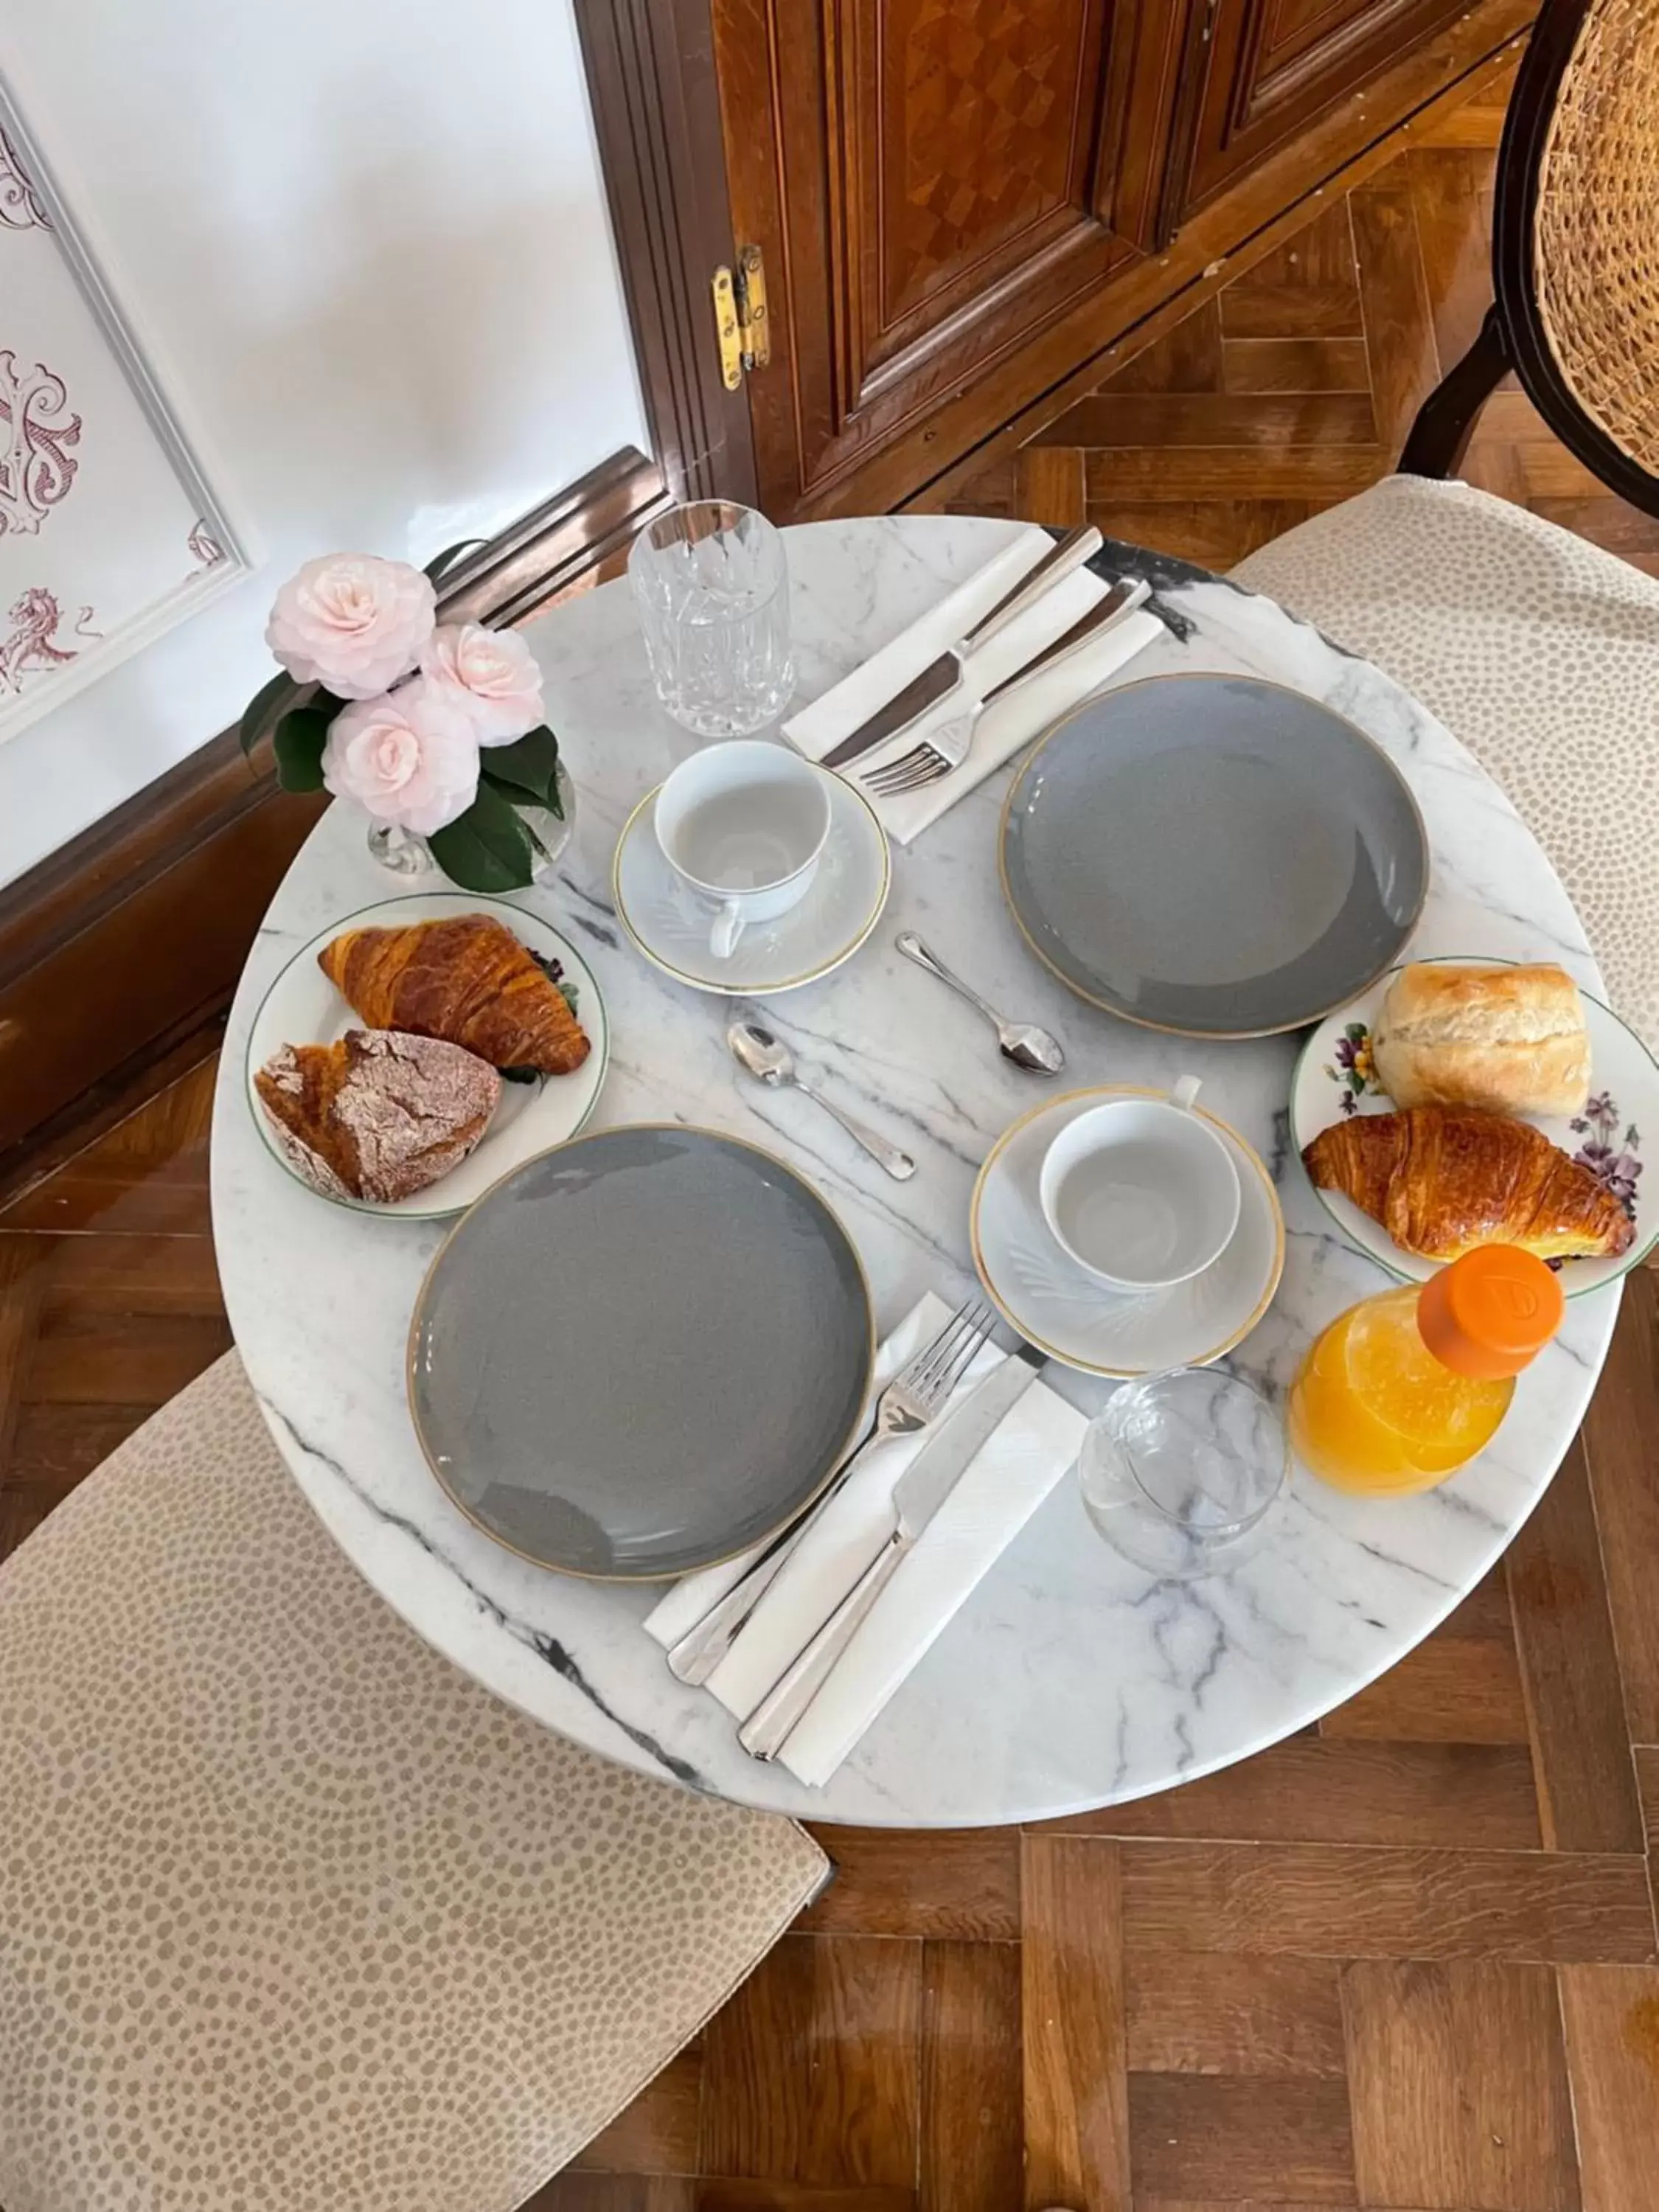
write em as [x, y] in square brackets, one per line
[640, 1353]
[1214, 855]
[302, 1006]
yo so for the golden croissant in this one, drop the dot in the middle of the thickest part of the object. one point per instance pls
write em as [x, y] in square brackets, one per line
[1441, 1181]
[469, 982]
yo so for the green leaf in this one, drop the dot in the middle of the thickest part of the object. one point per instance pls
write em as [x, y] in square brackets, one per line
[267, 707]
[487, 848]
[527, 768]
[299, 739]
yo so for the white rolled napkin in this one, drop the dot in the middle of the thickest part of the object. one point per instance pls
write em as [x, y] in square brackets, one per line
[1033, 1446]
[1003, 728]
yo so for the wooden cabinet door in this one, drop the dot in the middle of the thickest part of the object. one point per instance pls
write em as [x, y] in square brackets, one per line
[931, 183]
[1269, 66]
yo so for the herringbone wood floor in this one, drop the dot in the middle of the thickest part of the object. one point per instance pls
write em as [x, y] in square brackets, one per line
[1406, 1960]
[1295, 385]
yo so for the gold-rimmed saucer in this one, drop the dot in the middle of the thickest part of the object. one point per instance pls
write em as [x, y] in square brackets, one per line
[1043, 1292]
[669, 925]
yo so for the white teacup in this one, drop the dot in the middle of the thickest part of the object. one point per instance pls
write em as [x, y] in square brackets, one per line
[743, 824]
[1141, 1192]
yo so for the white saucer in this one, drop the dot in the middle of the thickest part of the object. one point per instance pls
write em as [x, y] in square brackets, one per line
[1334, 1079]
[303, 1007]
[671, 926]
[1043, 1294]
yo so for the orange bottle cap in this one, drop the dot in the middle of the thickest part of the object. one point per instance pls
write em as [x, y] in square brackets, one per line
[1491, 1312]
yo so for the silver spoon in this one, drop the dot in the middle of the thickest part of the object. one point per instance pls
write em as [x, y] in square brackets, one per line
[1023, 1042]
[760, 1052]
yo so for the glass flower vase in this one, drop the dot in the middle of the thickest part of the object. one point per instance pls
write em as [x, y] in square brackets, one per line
[402, 853]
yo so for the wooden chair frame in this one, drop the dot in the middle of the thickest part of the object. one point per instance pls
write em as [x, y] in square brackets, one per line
[1513, 336]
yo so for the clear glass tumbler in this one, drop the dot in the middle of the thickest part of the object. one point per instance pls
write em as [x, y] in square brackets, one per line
[711, 585]
[1180, 1469]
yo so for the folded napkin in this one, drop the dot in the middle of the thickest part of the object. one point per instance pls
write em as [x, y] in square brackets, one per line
[1011, 723]
[1033, 1446]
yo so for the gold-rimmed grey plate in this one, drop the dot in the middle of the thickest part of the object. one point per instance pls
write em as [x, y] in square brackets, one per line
[641, 1353]
[1212, 854]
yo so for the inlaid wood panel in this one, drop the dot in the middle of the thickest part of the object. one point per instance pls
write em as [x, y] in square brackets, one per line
[987, 121]
[932, 182]
[1271, 65]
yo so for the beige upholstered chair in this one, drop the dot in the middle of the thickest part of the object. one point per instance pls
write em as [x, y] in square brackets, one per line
[1540, 652]
[293, 1917]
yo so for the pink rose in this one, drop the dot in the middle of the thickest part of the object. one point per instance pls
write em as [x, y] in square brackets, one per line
[496, 674]
[352, 623]
[408, 757]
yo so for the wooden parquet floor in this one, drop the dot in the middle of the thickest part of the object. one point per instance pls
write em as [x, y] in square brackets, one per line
[1294, 387]
[1406, 1960]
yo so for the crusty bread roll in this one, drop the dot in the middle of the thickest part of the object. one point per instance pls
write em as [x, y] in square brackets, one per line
[1506, 1040]
[376, 1115]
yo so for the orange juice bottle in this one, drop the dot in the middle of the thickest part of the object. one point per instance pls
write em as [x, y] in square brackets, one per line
[1407, 1387]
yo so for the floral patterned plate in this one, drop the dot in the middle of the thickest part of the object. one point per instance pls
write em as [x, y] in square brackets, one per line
[1334, 1078]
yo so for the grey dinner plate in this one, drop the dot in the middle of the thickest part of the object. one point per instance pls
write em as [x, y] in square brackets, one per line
[1213, 855]
[640, 1352]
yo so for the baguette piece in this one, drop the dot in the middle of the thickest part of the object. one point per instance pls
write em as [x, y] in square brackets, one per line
[1441, 1183]
[1503, 1040]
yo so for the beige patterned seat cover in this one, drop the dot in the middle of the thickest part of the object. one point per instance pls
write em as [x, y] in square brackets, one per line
[293, 1917]
[1539, 651]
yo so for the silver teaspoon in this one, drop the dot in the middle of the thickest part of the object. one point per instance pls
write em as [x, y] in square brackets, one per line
[760, 1052]
[1023, 1042]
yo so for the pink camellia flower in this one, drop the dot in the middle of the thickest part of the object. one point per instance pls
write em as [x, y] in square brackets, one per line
[496, 675]
[408, 757]
[352, 623]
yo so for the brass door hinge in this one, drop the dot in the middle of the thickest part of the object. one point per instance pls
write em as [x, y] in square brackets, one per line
[746, 341]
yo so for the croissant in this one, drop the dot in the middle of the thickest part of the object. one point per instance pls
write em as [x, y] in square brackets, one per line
[376, 1115]
[469, 982]
[1441, 1181]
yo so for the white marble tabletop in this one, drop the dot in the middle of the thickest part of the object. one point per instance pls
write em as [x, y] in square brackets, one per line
[1069, 1679]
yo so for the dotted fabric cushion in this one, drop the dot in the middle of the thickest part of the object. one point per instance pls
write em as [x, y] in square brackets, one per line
[1539, 651]
[294, 1917]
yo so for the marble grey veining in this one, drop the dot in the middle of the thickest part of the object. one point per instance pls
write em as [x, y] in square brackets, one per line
[1070, 1678]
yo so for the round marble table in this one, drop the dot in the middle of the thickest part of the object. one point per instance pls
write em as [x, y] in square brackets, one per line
[1068, 1680]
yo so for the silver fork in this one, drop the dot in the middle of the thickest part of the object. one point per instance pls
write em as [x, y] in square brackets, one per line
[943, 750]
[910, 1401]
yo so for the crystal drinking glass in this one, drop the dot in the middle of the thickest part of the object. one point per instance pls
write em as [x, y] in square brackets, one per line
[1180, 1469]
[711, 585]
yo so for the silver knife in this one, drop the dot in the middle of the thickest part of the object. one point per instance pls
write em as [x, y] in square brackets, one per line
[917, 1496]
[941, 677]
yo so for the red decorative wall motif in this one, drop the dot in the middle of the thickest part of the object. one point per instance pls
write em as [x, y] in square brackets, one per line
[36, 469]
[203, 545]
[21, 205]
[31, 647]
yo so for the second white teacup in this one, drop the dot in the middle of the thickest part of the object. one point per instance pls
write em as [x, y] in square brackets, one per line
[743, 824]
[1141, 1192]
